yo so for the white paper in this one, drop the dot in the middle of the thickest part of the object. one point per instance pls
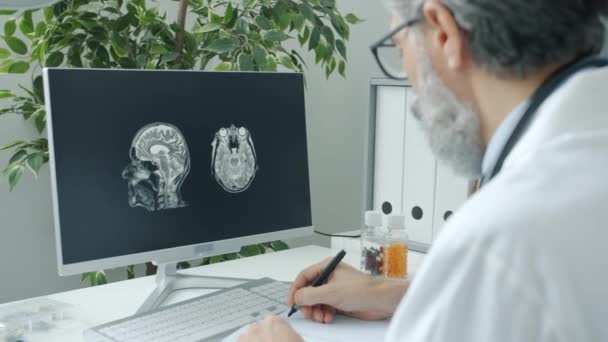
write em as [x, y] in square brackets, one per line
[341, 329]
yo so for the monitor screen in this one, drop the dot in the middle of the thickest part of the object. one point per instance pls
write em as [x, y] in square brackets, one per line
[153, 160]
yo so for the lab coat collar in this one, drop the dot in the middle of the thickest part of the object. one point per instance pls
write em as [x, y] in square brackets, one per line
[578, 107]
[501, 136]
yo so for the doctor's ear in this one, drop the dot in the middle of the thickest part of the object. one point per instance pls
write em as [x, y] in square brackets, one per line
[443, 36]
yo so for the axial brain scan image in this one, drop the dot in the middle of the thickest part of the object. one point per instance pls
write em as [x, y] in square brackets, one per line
[233, 160]
[160, 162]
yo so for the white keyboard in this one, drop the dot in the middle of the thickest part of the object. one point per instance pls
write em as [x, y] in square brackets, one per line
[207, 318]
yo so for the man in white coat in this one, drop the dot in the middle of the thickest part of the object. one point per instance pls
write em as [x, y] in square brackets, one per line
[525, 259]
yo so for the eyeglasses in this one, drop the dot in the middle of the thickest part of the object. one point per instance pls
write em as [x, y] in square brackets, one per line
[388, 55]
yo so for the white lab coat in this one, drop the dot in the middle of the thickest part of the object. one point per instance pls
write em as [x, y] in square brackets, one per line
[526, 258]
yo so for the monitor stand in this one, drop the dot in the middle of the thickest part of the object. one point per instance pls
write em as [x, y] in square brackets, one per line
[168, 280]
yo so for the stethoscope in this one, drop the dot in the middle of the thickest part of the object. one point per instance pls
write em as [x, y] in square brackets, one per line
[547, 88]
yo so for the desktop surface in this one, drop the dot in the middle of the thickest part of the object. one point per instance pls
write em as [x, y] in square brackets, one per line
[102, 304]
[152, 160]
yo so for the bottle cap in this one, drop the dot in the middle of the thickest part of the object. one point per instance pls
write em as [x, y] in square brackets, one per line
[373, 218]
[395, 221]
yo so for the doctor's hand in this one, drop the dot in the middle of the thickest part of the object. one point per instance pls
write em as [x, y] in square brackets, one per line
[348, 292]
[271, 329]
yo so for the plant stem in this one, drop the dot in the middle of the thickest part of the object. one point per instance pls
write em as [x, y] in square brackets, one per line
[181, 23]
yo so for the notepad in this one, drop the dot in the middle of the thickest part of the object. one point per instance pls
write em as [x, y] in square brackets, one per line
[341, 329]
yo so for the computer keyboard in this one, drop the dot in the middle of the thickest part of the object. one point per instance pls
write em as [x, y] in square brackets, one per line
[206, 318]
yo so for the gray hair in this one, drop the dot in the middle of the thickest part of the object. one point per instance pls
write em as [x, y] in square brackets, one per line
[514, 38]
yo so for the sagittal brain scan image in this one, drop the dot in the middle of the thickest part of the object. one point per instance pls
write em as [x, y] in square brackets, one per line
[233, 161]
[160, 162]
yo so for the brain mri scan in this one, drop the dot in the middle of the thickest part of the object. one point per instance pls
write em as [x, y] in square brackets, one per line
[233, 160]
[160, 162]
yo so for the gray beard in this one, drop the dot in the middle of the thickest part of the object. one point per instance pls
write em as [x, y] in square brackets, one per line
[452, 126]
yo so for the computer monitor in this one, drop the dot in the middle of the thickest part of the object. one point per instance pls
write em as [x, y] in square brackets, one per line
[168, 166]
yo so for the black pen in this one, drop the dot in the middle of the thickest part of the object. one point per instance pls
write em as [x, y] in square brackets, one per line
[322, 277]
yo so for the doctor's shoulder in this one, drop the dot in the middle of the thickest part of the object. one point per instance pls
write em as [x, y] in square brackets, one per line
[551, 198]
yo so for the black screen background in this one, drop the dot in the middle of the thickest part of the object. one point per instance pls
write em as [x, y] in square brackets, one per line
[95, 116]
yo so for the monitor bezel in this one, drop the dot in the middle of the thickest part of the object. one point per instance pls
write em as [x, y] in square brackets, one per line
[168, 255]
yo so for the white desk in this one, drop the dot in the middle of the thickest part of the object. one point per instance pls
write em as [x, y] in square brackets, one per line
[101, 304]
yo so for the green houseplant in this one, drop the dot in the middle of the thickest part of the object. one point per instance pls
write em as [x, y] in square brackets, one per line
[222, 35]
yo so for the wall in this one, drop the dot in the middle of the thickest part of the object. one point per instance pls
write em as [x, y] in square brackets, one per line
[336, 111]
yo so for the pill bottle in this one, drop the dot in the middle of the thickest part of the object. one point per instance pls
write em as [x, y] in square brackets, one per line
[395, 248]
[371, 244]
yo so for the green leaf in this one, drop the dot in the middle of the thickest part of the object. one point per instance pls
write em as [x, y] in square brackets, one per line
[298, 21]
[329, 35]
[209, 28]
[13, 144]
[229, 14]
[19, 67]
[119, 45]
[14, 177]
[271, 64]
[190, 43]
[10, 26]
[225, 66]
[287, 62]
[7, 12]
[342, 68]
[262, 248]
[222, 45]
[4, 53]
[5, 65]
[101, 278]
[328, 3]
[340, 26]
[245, 62]
[353, 19]
[55, 59]
[34, 161]
[183, 265]
[27, 24]
[278, 245]
[307, 11]
[74, 57]
[283, 19]
[40, 29]
[260, 57]
[251, 250]
[263, 22]
[6, 93]
[18, 157]
[158, 49]
[102, 54]
[92, 279]
[275, 36]
[130, 272]
[241, 26]
[49, 14]
[216, 259]
[38, 88]
[120, 25]
[302, 38]
[169, 57]
[16, 45]
[341, 47]
[321, 53]
[214, 18]
[329, 69]
[315, 37]
[40, 121]
[231, 256]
